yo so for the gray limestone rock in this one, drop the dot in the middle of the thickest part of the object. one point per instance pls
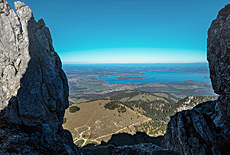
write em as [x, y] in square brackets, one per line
[193, 132]
[30, 70]
[218, 54]
[33, 87]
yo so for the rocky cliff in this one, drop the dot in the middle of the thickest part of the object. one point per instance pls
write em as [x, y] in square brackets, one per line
[218, 53]
[33, 87]
[205, 130]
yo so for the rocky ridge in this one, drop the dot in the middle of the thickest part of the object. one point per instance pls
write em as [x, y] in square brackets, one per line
[191, 101]
[205, 130]
[33, 87]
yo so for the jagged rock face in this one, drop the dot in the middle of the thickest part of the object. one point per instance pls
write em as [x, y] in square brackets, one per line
[197, 132]
[191, 101]
[140, 149]
[218, 54]
[205, 130]
[33, 87]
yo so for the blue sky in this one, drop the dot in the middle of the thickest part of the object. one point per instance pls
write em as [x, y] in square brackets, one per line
[128, 31]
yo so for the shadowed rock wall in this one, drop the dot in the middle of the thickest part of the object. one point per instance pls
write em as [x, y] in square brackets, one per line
[218, 53]
[33, 87]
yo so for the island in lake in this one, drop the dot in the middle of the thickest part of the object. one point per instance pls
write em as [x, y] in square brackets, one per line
[129, 77]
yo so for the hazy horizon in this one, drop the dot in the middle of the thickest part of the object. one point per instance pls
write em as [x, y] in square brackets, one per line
[128, 31]
[135, 63]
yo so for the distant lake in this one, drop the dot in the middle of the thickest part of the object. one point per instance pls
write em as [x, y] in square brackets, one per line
[151, 73]
[156, 77]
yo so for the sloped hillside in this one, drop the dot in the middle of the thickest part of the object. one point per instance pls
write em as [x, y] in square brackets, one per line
[99, 120]
[133, 111]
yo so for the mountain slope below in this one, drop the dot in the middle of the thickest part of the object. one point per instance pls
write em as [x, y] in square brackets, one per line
[94, 123]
